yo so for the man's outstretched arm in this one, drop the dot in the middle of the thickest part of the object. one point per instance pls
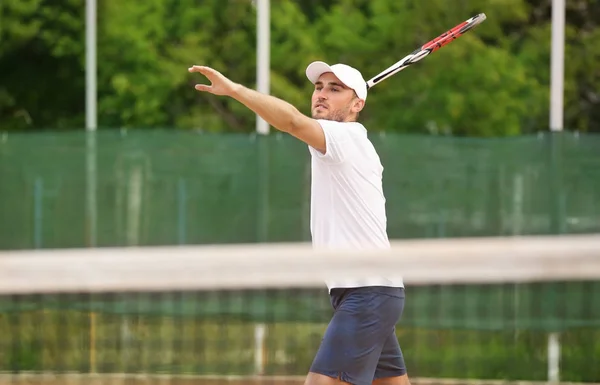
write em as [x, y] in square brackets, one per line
[278, 113]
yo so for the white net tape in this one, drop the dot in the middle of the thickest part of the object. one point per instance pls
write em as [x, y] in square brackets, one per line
[445, 261]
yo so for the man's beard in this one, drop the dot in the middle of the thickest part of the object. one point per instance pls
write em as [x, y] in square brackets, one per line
[339, 115]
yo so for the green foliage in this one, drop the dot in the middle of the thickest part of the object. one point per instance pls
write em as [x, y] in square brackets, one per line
[493, 81]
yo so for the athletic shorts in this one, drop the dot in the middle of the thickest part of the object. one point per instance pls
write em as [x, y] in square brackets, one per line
[360, 342]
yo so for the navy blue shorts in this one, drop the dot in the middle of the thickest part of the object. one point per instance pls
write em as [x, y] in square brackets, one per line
[360, 342]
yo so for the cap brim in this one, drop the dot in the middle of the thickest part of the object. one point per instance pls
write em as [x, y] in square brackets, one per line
[316, 69]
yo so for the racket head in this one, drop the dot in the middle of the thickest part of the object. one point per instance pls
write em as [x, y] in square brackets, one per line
[454, 33]
[428, 48]
[472, 23]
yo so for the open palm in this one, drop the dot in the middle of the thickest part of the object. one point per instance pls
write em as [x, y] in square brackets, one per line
[220, 85]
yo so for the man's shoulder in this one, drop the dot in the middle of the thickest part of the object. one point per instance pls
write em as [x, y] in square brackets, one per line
[335, 123]
[344, 141]
[353, 129]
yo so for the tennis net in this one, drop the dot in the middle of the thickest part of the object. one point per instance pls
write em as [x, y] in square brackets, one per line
[477, 310]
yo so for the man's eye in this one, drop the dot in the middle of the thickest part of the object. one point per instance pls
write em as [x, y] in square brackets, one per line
[334, 89]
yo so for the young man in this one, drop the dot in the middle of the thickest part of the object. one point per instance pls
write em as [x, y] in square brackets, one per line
[347, 211]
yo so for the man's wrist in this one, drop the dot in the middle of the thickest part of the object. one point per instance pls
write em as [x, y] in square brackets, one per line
[236, 90]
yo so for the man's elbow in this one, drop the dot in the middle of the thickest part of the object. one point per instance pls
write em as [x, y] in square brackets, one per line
[296, 121]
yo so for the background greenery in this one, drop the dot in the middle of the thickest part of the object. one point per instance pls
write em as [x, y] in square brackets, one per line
[172, 186]
[494, 81]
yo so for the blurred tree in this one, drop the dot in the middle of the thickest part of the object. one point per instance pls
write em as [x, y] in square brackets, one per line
[493, 81]
[41, 61]
[466, 88]
[147, 48]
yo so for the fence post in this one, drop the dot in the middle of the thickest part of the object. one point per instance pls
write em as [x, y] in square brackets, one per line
[38, 212]
[557, 222]
[181, 217]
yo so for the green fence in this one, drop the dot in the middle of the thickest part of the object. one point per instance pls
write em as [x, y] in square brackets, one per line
[174, 187]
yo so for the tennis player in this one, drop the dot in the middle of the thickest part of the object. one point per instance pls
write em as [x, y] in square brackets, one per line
[347, 211]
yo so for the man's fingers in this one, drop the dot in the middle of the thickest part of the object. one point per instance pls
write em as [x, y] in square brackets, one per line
[212, 75]
[200, 69]
[203, 87]
[203, 70]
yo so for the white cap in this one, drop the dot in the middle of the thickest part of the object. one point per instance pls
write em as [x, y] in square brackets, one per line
[351, 77]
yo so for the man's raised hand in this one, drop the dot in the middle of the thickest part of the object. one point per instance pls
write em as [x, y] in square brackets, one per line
[220, 85]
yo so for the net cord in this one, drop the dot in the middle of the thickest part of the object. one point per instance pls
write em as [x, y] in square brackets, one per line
[298, 265]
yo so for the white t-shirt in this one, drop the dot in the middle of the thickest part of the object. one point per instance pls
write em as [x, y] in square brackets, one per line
[347, 200]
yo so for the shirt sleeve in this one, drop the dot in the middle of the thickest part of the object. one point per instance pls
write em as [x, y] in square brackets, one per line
[338, 142]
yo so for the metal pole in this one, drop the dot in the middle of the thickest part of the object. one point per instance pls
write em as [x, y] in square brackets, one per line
[38, 209]
[91, 211]
[262, 57]
[259, 349]
[557, 65]
[91, 122]
[181, 212]
[90, 63]
[90, 118]
[262, 127]
[553, 358]
[556, 124]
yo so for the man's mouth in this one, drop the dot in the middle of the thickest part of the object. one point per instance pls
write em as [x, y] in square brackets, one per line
[320, 106]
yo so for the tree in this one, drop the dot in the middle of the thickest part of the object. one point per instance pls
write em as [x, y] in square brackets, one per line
[493, 81]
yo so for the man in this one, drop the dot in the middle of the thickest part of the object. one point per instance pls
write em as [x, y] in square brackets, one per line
[347, 211]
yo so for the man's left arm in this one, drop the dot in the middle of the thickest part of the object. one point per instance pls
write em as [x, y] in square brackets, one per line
[277, 112]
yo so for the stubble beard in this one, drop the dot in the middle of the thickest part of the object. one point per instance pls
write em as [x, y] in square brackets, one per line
[335, 115]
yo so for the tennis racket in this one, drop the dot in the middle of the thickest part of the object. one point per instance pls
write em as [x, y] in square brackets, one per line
[428, 48]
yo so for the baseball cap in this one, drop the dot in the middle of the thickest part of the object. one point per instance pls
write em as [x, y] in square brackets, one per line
[350, 76]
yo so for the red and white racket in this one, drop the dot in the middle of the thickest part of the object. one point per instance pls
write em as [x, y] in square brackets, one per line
[428, 48]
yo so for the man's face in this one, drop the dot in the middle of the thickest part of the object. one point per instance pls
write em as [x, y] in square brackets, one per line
[332, 100]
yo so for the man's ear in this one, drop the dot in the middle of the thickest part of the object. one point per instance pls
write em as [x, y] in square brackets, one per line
[358, 105]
